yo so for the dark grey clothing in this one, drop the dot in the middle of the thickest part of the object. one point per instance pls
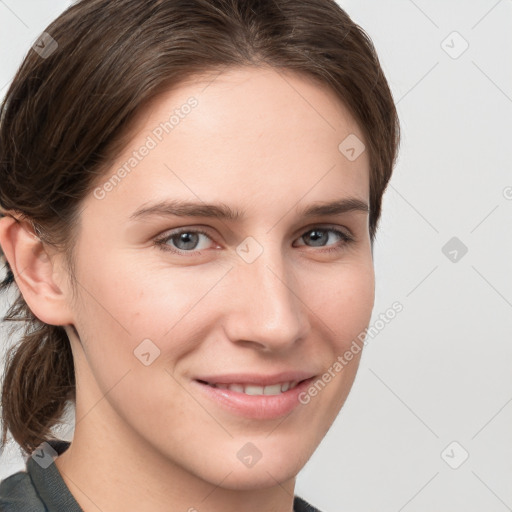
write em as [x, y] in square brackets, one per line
[43, 490]
[38, 489]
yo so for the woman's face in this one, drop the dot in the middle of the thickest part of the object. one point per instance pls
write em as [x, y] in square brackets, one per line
[264, 295]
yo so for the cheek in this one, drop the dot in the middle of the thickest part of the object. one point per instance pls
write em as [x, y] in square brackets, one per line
[344, 301]
[130, 304]
[123, 309]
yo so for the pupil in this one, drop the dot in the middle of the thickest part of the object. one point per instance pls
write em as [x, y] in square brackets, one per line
[316, 235]
[187, 238]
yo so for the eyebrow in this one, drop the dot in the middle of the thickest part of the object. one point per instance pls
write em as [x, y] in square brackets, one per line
[222, 211]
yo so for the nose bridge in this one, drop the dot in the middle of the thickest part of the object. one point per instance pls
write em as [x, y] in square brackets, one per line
[267, 307]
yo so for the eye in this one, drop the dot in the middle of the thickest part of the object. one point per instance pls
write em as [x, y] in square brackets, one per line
[187, 240]
[318, 236]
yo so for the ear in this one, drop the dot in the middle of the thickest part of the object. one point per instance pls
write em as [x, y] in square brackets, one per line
[36, 272]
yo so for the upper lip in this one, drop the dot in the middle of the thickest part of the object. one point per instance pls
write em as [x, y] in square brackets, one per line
[257, 379]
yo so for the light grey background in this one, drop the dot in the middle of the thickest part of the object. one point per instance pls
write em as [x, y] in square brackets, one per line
[441, 370]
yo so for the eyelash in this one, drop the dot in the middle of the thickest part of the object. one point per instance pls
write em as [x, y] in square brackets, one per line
[162, 245]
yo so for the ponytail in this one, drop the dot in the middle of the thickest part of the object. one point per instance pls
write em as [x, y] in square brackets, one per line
[38, 376]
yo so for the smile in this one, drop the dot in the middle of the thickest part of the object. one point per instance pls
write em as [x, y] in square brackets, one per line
[251, 389]
[258, 400]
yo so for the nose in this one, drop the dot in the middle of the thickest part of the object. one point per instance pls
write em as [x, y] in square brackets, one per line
[266, 309]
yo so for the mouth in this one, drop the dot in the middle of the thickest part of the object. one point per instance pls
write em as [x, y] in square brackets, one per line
[260, 399]
[254, 390]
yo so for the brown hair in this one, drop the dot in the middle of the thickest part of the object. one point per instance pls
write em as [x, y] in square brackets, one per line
[67, 115]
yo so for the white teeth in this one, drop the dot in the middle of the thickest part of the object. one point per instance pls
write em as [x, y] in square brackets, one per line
[253, 390]
[272, 390]
[250, 389]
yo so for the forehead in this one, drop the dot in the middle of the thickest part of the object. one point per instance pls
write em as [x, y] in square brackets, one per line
[241, 137]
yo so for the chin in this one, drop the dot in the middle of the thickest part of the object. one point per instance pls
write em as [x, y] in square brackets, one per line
[250, 479]
[277, 467]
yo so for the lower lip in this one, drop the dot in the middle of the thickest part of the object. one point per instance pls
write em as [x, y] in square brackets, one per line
[260, 407]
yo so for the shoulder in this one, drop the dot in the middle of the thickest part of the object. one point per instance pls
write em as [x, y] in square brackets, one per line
[18, 494]
[300, 505]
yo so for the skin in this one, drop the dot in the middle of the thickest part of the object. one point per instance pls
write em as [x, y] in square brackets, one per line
[145, 438]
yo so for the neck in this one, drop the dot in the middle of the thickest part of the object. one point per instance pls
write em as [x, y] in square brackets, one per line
[122, 472]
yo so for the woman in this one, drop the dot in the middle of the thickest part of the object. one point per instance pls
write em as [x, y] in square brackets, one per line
[190, 194]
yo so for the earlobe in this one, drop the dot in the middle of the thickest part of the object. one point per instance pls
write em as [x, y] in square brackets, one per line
[33, 270]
